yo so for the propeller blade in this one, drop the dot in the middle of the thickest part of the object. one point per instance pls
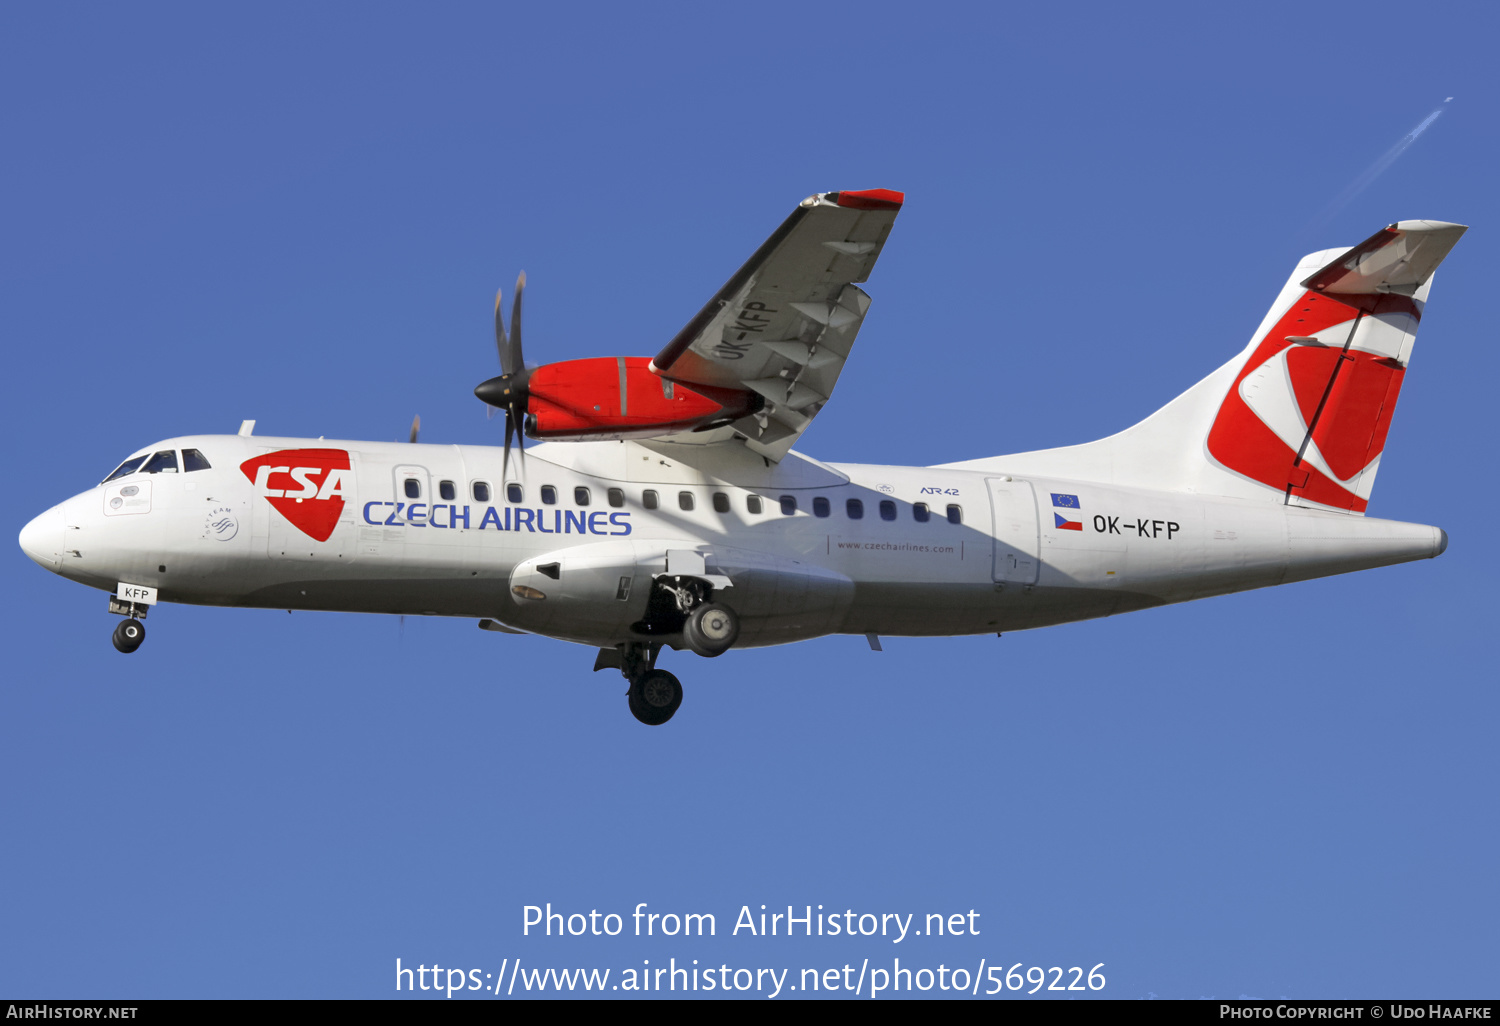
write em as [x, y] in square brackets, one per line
[516, 414]
[510, 429]
[508, 391]
[517, 361]
[416, 425]
[501, 346]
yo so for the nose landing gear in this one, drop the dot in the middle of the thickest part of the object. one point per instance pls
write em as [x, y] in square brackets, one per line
[129, 635]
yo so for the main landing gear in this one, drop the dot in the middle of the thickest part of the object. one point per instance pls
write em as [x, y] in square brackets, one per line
[685, 606]
[711, 629]
[654, 697]
[680, 607]
[654, 694]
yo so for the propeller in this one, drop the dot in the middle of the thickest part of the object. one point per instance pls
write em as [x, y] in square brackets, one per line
[508, 391]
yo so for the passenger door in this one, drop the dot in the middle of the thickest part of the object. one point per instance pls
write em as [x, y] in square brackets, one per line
[1017, 533]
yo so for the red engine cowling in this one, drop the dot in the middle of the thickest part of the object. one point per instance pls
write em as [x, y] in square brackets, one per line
[621, 397]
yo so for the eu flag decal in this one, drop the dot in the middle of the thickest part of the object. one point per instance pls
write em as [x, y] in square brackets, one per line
[1064, 524]
[1065, 501]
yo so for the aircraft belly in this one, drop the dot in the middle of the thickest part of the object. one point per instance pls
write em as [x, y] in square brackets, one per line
[951, 609]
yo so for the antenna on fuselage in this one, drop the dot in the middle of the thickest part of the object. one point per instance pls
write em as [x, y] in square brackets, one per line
[416, 426]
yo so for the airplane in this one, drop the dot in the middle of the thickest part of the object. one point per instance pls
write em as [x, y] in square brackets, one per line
[663, 505]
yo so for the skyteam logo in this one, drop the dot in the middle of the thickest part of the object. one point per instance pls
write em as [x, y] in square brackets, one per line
[306, 486]
[221, 524]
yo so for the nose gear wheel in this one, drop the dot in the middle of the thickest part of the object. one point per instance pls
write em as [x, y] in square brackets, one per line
[129, 635]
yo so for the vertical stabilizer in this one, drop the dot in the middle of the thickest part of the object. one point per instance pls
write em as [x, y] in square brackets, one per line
[1301, 415]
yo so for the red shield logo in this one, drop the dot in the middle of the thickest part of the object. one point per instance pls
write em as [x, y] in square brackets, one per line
[306, 486]
[1309, 420]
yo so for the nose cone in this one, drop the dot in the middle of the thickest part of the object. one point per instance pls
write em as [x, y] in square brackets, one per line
[42, 539]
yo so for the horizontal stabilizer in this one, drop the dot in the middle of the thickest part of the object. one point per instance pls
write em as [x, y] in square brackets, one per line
[1397, 259]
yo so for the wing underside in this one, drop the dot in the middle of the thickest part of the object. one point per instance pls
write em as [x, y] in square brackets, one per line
[785, 322]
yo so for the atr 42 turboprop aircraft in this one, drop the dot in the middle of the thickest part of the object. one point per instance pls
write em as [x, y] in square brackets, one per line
[666, 506]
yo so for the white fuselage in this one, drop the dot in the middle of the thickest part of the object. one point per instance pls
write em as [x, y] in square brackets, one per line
[411, 537]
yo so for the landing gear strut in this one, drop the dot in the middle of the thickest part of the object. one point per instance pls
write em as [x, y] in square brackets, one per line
[679, 607]
[129, 635]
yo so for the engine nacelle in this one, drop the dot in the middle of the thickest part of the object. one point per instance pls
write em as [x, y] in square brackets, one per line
[621, 397]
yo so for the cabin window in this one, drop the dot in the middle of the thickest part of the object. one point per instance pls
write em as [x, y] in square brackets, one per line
[481, 491]
[514, 493]
[127, 468]
[955, 515]
[549, 495]
[855, 509]
[685, 500]
[193, 460]
[887, 509]
[580, 496]
[164, 462]
[920, 513]
[788, 505]
[752, 504]
[447, 491]
[648, 498]
[721, 502]
[413, 488]
[616, 497]
[820, 507]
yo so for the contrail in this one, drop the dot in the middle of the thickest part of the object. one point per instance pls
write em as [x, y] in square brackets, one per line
[1375, 170]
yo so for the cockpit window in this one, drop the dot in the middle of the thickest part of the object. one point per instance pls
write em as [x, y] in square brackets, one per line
[127, 468]
[193, 460]
[164, 462]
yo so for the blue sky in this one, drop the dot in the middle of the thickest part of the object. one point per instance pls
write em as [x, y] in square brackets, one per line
[300, 214]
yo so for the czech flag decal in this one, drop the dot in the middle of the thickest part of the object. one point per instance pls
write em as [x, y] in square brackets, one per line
[1061, 522]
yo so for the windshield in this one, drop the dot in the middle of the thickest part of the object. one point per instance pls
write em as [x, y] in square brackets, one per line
[164, 462]
[130, 466]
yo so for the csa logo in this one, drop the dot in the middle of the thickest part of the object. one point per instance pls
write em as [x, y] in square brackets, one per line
[306, 486]
[1308, 417]
[221, 524]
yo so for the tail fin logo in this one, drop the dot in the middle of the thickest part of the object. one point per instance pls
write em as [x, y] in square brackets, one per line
[306, 486]
[1309, 411]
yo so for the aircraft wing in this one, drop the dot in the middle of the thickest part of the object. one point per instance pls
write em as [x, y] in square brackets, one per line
[784, 323]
